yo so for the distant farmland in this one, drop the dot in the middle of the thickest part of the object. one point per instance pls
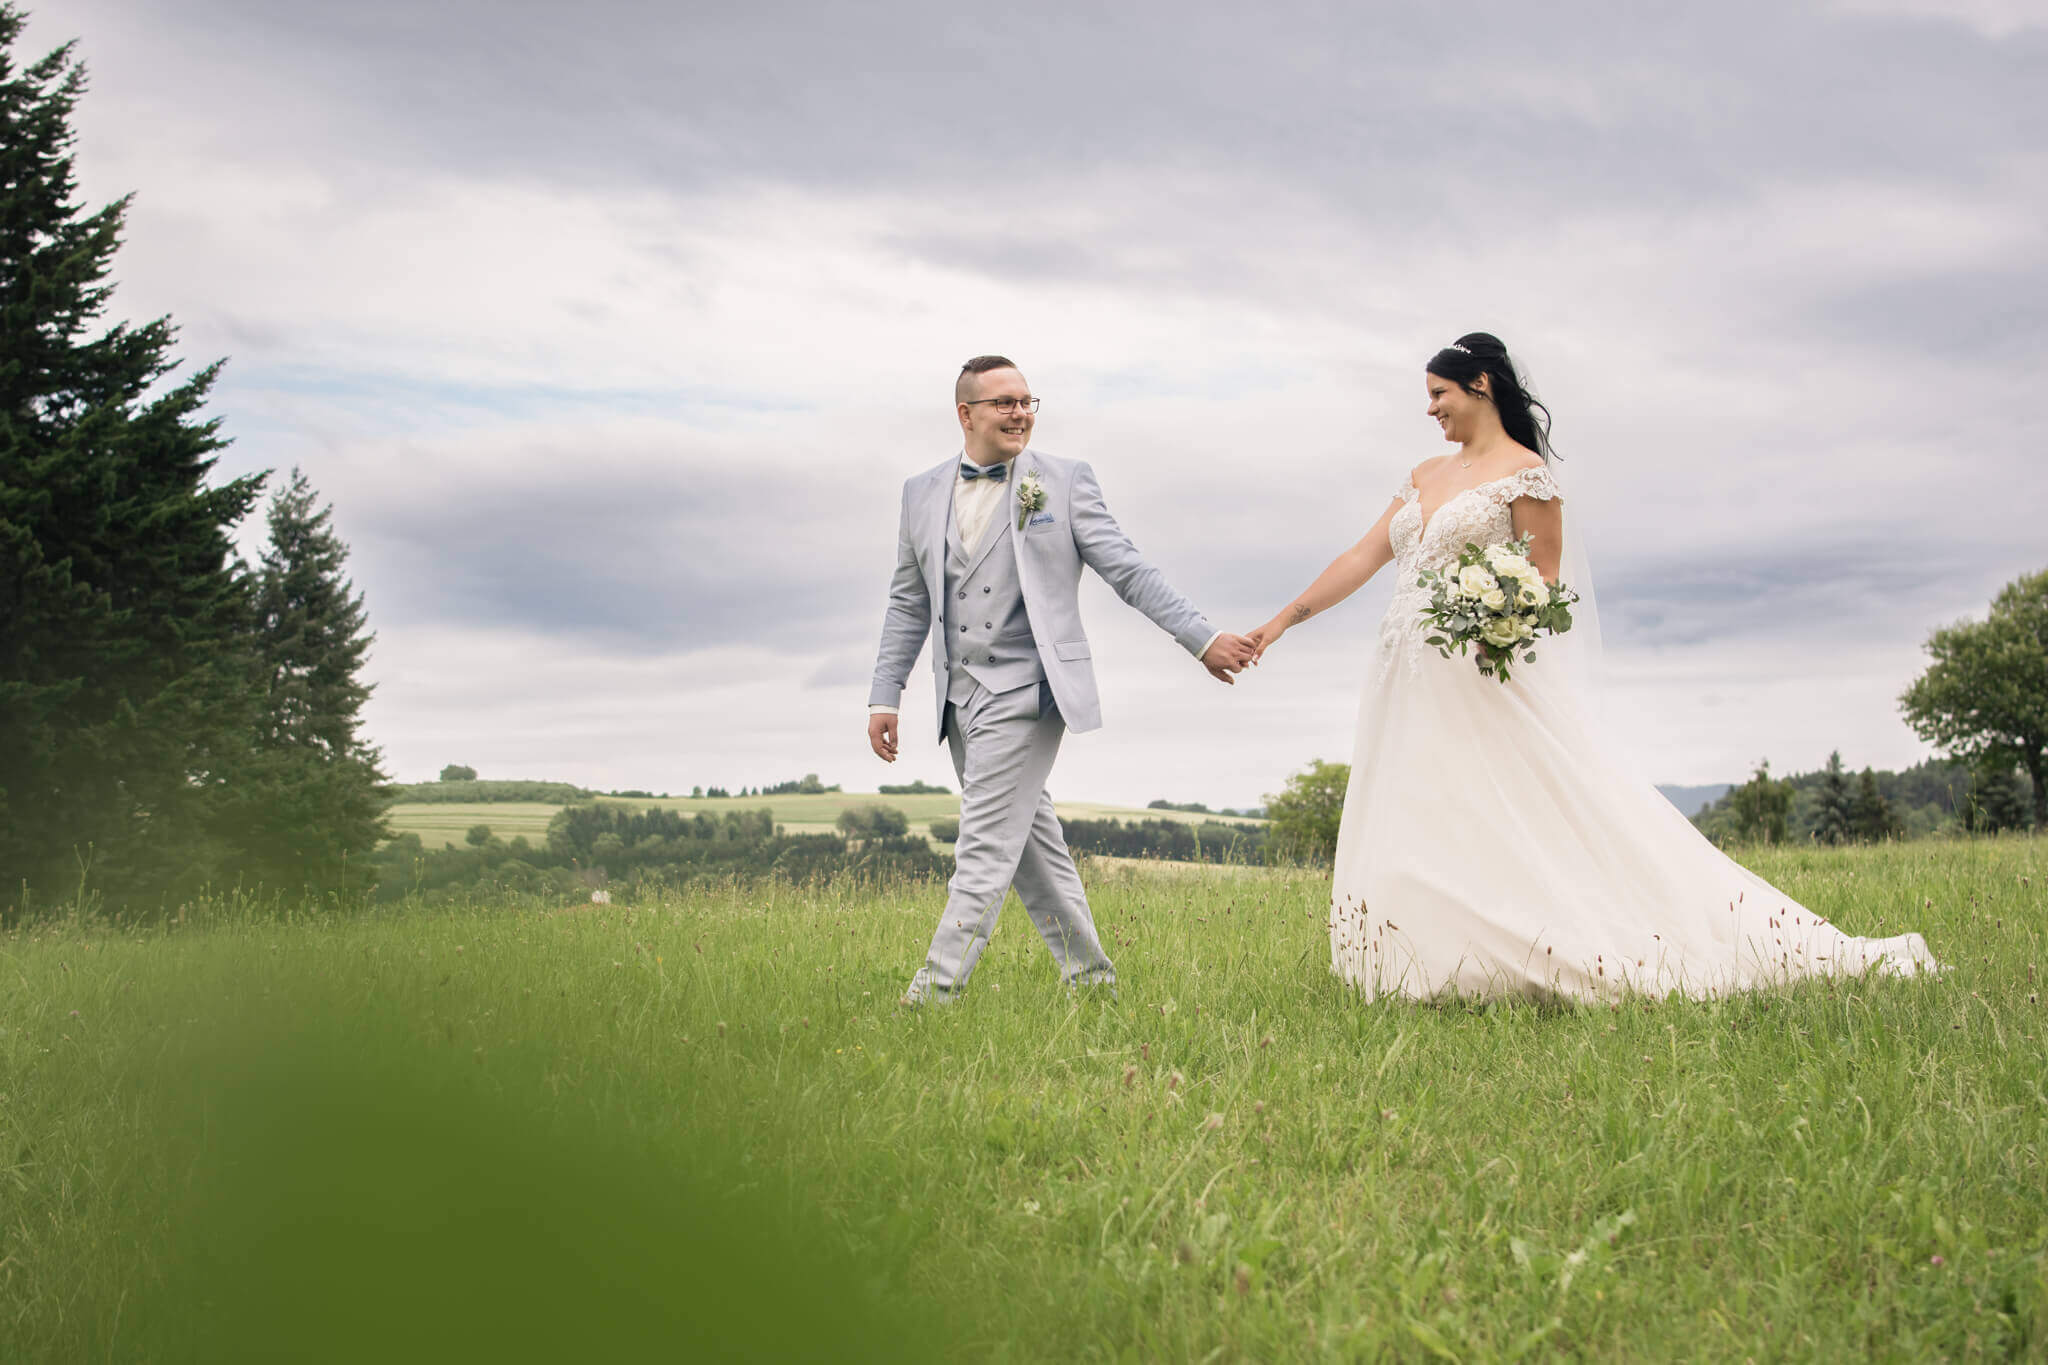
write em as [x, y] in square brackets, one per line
[440, 824]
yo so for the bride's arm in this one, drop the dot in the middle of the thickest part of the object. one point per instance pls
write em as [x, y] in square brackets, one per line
[1347, 573]
[1542, 518]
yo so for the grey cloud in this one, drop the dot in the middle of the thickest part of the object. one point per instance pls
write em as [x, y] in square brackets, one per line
[650, 556]
[1373, 105]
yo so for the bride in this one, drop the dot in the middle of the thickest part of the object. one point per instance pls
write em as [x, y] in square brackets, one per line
[1493, 843]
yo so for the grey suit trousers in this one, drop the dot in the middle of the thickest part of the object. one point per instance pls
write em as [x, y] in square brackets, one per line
[1004, 744]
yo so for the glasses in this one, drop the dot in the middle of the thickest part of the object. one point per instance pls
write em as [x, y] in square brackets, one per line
[1006, 406]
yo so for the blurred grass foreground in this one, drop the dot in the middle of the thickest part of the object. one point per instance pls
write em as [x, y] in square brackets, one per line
[695, 1126]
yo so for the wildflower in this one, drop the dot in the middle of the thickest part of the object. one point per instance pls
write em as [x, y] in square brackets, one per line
[1266, 1041]
[1130, 1076]
[721, 1028]
[1258, 1106]
[1145, 1051]
[1936, 1260]
[1173, 1081]
[1213, 1122]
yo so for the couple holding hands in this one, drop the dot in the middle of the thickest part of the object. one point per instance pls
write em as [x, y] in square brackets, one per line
[1492, 843]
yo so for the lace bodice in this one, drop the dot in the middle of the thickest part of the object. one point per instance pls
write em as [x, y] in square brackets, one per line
[1479, 515]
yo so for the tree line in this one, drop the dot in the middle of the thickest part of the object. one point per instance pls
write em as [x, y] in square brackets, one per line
[593, 846]
[1831, 806]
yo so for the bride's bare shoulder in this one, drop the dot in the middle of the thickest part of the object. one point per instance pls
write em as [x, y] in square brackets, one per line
[1426, 469]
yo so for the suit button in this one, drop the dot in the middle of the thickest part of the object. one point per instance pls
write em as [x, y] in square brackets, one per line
[963, 630]
[963, 596]
[988, 625]
[988, 589]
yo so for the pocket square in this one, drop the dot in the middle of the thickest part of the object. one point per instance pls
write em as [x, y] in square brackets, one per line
[1043, 519]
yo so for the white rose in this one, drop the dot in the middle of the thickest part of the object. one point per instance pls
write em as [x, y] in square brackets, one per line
[1529, 595]
[1500, 633]
[1524, 629]
[1495, 600]
[1476, 581]
[1500, 557]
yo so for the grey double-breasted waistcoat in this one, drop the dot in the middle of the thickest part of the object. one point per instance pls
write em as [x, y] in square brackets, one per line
[988, 634]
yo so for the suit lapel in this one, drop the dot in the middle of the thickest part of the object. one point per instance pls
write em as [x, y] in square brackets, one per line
[936, 513]
[1024, 466]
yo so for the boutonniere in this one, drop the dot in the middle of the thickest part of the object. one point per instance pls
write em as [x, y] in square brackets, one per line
[1030, 498]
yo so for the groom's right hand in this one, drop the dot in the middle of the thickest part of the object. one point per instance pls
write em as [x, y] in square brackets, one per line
[1226, 655]
[882, 736]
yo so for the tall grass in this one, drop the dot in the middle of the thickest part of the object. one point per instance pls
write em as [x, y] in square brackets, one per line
[1232, 1158]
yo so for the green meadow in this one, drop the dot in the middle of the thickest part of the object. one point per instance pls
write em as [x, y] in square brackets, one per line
[440, 825]
[699, 1127]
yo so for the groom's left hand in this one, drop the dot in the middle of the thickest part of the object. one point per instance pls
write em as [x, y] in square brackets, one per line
[1226, 656]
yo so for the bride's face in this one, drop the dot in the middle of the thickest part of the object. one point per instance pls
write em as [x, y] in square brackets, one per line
[1455, 410]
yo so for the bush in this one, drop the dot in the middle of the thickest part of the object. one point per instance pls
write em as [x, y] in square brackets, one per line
[873, 821]
[945, 831]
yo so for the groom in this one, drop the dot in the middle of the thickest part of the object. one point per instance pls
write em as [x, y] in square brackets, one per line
[988, 562]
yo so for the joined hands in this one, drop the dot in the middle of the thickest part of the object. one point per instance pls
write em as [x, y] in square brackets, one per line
[1228, 655]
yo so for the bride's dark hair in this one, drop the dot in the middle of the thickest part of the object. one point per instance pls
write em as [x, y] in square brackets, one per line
[1524, 418]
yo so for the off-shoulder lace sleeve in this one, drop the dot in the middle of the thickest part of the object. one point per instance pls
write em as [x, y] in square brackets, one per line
[1407, 492]
[1533, 482]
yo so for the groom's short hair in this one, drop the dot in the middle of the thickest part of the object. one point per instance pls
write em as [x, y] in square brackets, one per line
[964, 387]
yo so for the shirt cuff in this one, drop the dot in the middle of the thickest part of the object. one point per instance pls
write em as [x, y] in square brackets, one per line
[879, 710]
[1204, 650]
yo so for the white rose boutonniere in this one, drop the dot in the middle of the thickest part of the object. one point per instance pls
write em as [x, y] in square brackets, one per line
[1030, 498]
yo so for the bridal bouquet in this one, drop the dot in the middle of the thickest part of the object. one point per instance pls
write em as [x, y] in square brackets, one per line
[1494, 598]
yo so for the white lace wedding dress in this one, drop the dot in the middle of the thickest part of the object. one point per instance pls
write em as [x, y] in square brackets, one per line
[1493, 844]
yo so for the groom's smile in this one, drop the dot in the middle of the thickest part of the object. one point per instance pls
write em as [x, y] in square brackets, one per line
[991, 435]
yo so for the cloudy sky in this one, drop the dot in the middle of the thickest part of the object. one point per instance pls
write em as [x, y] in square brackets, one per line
[612, 330]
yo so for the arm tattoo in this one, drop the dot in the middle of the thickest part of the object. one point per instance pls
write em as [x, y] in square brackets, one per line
[1301, 612]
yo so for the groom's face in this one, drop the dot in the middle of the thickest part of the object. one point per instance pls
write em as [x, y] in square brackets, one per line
[993, 436]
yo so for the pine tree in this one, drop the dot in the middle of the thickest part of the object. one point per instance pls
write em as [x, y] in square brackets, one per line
[123, 616]
[310, 800]
[1834, 816]
[1870, 815]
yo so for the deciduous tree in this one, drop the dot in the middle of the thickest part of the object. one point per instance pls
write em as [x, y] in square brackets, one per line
[1303, 818]
[1985, 696]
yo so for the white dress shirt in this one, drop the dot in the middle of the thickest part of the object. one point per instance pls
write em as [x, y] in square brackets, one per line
[975, 502]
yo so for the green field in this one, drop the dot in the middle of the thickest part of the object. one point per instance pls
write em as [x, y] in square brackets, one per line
[530, 1131]
[439, 825]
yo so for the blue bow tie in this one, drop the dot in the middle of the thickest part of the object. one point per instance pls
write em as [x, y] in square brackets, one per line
[970, 471]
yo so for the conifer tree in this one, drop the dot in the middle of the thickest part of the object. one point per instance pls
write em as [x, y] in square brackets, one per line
[309, 803]
[1870, 814]
[1834, 813]
[123, 617]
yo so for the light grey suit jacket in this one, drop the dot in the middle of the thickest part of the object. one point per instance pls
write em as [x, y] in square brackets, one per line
[1073, 529]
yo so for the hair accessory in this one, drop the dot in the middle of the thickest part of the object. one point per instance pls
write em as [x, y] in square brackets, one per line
[1456, 346]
